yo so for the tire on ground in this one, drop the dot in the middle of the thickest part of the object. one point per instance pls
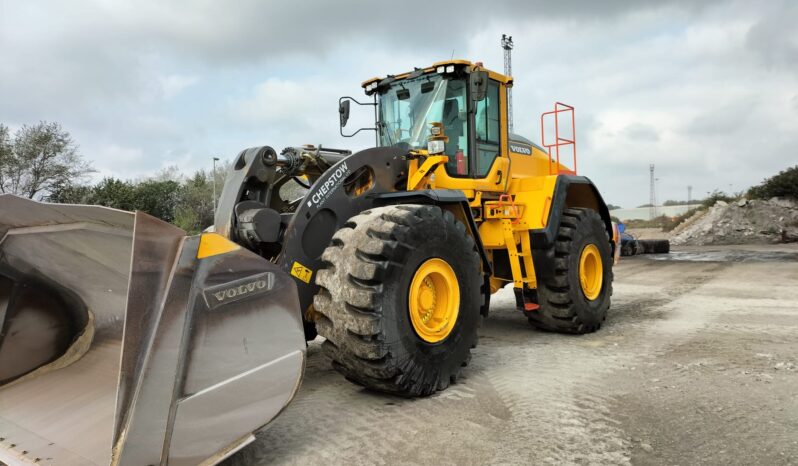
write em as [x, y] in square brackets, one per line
[655, 246]
[563, 305]
[363, 299]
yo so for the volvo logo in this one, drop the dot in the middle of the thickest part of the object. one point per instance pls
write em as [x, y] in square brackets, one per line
[237, 290]
[520, 149]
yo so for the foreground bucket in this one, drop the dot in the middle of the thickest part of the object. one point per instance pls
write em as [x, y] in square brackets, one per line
[125, 342]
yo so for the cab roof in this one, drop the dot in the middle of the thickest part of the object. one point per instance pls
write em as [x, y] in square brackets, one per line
[508, 80]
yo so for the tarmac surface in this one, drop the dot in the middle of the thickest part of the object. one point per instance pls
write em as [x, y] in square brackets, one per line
[697, 363]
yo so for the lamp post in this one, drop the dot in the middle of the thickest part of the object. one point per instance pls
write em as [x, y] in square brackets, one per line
[213, 175]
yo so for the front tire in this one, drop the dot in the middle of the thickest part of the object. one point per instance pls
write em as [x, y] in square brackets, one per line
[400, 299]
[576, 296]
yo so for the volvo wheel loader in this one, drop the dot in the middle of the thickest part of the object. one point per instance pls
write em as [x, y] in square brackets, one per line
[126, 342]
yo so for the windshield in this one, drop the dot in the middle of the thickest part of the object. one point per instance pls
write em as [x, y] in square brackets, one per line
[409, 106]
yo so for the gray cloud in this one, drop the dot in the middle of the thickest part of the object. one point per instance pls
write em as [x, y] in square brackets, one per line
[699, 88]
[641, 132]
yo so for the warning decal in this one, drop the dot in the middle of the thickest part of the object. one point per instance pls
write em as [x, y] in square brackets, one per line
[301, 272]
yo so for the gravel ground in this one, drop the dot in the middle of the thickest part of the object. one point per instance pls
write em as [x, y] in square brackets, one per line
[697, 364]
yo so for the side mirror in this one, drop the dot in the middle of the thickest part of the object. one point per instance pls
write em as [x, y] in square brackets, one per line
[344, 104]
[478, 85]
[343, 111]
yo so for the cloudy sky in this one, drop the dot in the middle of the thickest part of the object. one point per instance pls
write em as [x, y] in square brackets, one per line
[706, 90]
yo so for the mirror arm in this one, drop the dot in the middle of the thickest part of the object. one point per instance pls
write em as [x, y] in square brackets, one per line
[341, 128]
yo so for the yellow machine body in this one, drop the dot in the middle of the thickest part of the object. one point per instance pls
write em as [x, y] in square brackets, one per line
[514, 198]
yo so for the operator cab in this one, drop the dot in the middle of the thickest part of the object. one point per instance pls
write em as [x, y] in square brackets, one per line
[465, 100]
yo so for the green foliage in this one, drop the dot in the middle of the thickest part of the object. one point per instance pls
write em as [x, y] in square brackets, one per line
[785, 184]
[716, 196]
[71, 194]
[42, 161]
[613, 207]
[655, 222]
[672, 202]
[187, 202]
[672, 222]
[663, 222]
[195, 207]
[644, 205]
[157, 198]
[38, 160]
[111, 192]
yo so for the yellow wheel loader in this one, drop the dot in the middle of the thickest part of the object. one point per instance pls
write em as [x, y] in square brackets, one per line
[125, 342]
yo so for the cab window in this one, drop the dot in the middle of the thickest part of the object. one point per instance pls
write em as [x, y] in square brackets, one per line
[455, 124]
[487, 130]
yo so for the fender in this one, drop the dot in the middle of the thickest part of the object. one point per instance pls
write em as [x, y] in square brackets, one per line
[569, 191]
[450, 199]
[326, 208]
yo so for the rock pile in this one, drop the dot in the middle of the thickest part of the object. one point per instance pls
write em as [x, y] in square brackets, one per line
[742, 222]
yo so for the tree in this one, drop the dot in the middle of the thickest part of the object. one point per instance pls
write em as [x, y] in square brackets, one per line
[613, 207]
[785, 184]
[670, 202]
[40, 159]
[71, 194]
[111, 192]
[157, 198]
[195, 209]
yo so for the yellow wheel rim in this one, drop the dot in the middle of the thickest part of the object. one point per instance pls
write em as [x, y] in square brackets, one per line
[591, 272]
[434, 300]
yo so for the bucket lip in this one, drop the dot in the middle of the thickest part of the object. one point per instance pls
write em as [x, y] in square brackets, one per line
[31, 213]
[14, 197]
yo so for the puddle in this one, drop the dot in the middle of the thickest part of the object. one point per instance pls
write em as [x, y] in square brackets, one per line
[726, 256]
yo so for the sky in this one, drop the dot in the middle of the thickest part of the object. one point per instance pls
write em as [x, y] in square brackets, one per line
[705, 90]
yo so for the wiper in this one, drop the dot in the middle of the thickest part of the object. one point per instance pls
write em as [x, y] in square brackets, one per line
[384, 127]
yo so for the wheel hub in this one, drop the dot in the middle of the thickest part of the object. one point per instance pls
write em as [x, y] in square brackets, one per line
[591, 272]
[434, 300]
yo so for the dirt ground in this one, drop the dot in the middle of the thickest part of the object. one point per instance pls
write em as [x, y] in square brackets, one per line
[697, 364]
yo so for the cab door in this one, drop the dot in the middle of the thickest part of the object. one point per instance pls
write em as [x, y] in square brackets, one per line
[489, 162]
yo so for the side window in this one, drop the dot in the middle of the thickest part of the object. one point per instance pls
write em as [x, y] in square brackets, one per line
[455, 121]
[488, 129]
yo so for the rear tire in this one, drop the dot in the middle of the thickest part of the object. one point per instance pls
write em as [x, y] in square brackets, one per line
[655, 246]
[364, 299]
[564, 306]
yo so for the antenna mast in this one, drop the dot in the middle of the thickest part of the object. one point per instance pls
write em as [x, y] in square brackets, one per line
[652, 212]
[507, 45]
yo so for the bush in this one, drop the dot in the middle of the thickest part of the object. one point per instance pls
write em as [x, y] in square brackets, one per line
[785, 184]
[673, 222]
[656, 222]
[716, 196]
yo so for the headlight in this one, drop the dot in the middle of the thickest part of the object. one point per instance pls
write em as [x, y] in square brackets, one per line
[450, 69]
[435, 147]
[440, 69]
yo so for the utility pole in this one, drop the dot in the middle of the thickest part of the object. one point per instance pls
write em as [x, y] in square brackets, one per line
[507, 45]
[689, 194]
[652, 211]
[213, 175]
